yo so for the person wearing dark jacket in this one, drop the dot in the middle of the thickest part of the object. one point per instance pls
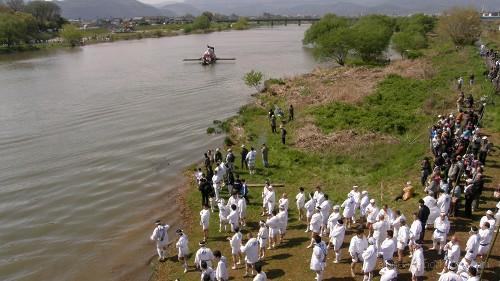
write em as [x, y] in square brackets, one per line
[283, 134]
[290, 113]
[218, 156]
[423, 215]
[244, 152]
[204, 188]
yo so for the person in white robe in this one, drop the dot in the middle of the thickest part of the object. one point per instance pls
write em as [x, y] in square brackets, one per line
[380, 230]
[309, 206]
[357, 246]
[488, 218]
[452, 250]
[204, 254]
[264, 194]
[443, 202]
[315, 225]
[233, 200]
[251, 250]
[371, 215]
[417, 265]
[337, 234]
[441, 229]
[387, 212]
[403, 239]
[261, 275]
[182, 246]
[431, 203]
[160, 236]
[363, 204]
[242, 211]
[235, 243]
[388, 246]
[464, 267]
[270, 199]
[300, 201]
[263, 237]
[318, 257]
[389, 272]
[234, 218]
[485, 236]
[274, 223]
[396, 221]
[250, 158]
[472, 245]
[223, 214]
[205, 221]
[415, 230]
[283, 223]
[221, 270]
[326, 207]
[356, 195]
[349, 206]
[334, 217]
[217, 183]
[207, 272]
[451, 275]
[318, 196]
[283, 202]
[369, 260]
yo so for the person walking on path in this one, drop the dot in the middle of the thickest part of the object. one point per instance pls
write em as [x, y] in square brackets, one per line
[423, 215]
[318, 257]
[265, 155]
[273, 124]
[283, 134]
[183, 249]
[221, 269]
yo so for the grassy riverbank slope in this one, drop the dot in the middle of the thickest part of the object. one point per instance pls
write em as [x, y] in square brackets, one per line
[365, 126]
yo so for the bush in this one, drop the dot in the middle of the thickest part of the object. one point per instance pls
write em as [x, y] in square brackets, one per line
[461, 25]
[228, 141]
[394, 108]
[253, 79]
[210, 130]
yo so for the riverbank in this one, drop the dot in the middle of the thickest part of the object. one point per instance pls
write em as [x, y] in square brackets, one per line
[97, 36]
[353, 126]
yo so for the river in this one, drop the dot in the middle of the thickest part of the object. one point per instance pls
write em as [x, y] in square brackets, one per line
[93, 139]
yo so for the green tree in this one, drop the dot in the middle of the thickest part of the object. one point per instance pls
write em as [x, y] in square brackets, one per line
[461, 25]
[253, 79]
[324, 26]
[406, 41]
[209, 15]
[71, 35]
[202, 23]
[12, 29]
[372, 35]
[47, 14]
[241, 24]
[335, 44]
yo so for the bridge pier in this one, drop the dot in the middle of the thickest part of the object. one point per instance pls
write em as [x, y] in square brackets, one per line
[299, 23]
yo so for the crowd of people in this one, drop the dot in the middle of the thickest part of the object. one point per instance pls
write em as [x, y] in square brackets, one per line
[451, 178]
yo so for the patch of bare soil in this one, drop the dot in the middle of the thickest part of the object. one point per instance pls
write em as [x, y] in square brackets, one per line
[346, 84]
[310, 137]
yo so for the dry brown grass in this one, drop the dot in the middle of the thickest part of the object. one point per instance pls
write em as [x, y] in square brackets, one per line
[309, 137]
[346, 84]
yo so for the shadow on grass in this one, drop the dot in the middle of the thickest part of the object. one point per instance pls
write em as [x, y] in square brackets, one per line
[292, 242]
[274, 273]
[281, 256]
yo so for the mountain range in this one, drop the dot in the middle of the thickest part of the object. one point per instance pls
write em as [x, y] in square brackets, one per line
[91, 9]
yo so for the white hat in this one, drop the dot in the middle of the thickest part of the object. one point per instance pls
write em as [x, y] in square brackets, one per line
[484, 137]
[489, 212]
[242, 145]
[469, 180]
[336, 207]
[372, 200]
[229, 149]
[439, 116]
[408, 183]
[354, 186]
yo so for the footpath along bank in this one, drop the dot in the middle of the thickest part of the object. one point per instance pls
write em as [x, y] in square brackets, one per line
[353, 126]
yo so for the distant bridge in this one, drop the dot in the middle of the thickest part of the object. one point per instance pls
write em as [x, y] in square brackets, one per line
[272, 21]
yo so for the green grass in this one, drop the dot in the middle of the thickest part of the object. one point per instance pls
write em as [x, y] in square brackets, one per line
[402, 107]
